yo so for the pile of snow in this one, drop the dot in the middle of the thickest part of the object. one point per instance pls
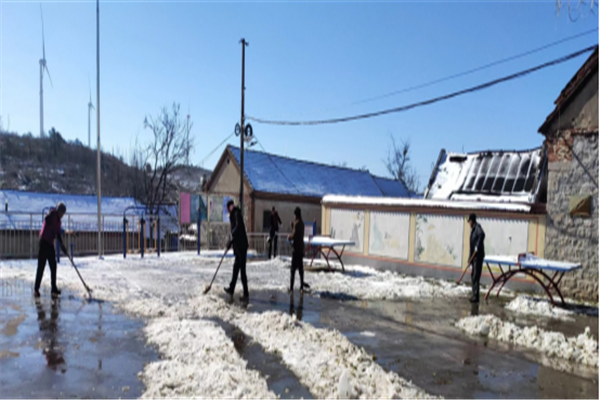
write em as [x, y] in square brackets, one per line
[318, 357]
[366, 283]
[525, 305]
[582, 349]
[201, 361]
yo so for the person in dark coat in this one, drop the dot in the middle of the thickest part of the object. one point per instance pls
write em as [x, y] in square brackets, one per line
[477, 255]
[239, 241]
[297, 239]
[275, 222]
[49, 233]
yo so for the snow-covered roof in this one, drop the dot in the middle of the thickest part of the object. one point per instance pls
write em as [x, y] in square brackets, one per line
[276, 174]
[82, 209]
[32, 202]
[425, 203]
[491, 176]
[391, 187]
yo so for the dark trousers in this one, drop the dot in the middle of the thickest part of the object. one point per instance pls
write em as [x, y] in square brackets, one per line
[297, 264]
[273, 243]
[239, 265]
[476, 268]
[46, 253]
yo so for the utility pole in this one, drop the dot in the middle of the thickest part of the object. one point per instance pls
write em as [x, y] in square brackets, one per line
[99, 174]
[187, 140]
[244, 44]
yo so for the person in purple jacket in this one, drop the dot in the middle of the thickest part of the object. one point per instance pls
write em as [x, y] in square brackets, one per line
[49, 233]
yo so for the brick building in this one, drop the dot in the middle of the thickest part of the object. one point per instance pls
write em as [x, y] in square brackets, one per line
[571, 138]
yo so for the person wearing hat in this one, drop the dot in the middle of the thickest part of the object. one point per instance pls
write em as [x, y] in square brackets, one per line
[476, 256]
[49, 233]
[239, 240]
[297, 239]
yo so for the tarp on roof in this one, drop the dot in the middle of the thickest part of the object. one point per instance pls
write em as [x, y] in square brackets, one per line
[275, 174]
[391, 187]
[492, 176]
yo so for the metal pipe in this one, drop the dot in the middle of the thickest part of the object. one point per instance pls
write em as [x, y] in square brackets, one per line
[99, 174]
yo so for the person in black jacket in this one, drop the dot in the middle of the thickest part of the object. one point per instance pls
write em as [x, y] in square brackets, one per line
[297, 239]
[275, 222]
[239, 240]
[477, 255]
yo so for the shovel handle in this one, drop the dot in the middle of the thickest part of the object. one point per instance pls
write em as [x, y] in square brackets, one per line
[465, 270]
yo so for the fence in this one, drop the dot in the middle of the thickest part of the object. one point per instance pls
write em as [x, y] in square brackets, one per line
[19, 235]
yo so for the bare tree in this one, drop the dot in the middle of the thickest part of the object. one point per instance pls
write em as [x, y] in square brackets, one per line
[399, 167]
[577, 8]
[155, 162]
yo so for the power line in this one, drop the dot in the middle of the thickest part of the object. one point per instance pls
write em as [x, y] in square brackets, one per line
[492, 64]
[431, 101]
[216, 148]
[468, 72]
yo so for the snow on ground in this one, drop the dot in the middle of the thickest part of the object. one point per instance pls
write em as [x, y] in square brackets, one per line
[367, 283]
[201, 361]
[582, 349]
[526, 305]
[318, 357]
[198, 358]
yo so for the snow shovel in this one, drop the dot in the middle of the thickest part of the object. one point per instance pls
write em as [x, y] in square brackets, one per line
[207, 288]
[82, 281]
[468, 265]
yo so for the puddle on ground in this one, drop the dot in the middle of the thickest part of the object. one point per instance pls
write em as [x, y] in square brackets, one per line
[417, 340]
[280, 379]
[67, 347]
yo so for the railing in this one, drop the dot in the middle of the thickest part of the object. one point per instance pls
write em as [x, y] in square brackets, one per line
[19, 236]
[258, 242]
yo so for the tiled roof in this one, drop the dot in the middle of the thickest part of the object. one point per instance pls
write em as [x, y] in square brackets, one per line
[391, 187]
[282, 175]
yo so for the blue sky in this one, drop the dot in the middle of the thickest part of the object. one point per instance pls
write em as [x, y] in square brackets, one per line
[304, 61]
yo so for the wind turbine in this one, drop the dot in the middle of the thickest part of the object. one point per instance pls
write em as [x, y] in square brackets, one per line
[90, 108]
[43, 66]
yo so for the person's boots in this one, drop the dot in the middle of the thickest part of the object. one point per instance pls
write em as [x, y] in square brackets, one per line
[228, 290]
[36, 293]
[55, 292]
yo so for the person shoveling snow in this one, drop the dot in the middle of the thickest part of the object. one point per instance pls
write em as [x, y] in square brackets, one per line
[239, 241]
[49, 233]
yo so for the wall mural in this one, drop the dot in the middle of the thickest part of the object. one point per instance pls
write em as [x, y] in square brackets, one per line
[349, 225]
[388, 234]
[439, 239]
[504, 236]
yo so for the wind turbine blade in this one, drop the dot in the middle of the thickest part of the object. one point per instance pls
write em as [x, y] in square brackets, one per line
[43, 39]
[49, 77]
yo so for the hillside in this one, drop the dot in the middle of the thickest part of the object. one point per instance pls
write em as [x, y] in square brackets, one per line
[53, 165]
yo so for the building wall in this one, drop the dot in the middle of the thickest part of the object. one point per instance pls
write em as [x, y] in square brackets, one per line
[572, 141]
[285, 209]
[227, 183]
[432, 242]
[571, 238]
